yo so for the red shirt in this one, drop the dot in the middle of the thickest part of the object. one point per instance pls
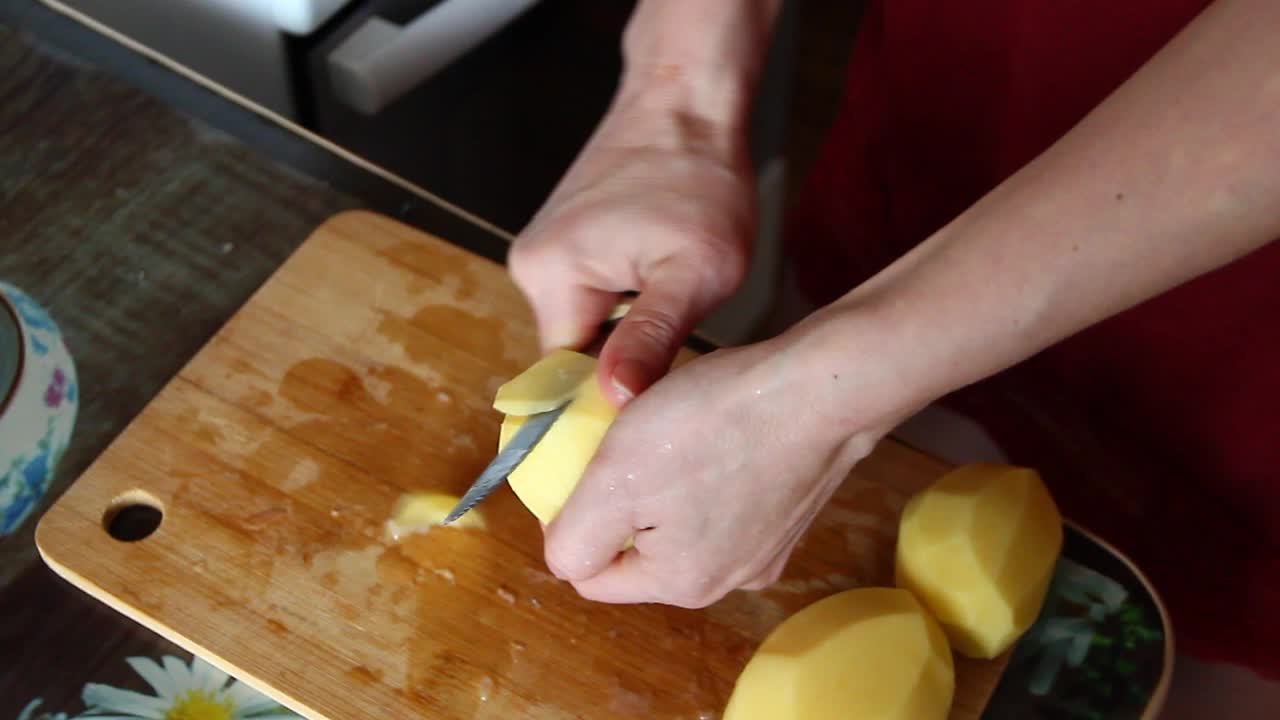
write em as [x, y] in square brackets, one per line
[1157, 428]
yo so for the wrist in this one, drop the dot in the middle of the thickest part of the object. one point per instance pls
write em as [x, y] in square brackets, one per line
[857, 370]
[691, 69]
[712, 95]
[670, 113]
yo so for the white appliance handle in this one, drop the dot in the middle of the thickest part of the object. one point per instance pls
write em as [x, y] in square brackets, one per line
[381, 61]
[299, 17]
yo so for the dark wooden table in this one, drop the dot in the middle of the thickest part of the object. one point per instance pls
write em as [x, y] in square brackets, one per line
[141, 231]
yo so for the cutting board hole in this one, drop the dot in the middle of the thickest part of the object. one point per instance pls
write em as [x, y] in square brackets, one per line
[133, 516]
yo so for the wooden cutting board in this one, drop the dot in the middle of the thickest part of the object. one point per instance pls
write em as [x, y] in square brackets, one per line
[364, 369]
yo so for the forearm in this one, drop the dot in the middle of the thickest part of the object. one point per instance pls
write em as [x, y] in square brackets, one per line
[691, 69]
[1174, 175]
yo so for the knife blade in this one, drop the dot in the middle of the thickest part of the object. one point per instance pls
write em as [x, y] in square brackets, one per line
[519, 447]
[506, 461]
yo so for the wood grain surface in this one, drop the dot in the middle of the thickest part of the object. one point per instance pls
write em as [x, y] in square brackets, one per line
[363, 369]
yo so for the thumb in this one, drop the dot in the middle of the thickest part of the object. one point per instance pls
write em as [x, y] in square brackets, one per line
[646, 340]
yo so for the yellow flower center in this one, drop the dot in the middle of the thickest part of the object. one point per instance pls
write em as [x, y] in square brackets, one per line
[201, 705]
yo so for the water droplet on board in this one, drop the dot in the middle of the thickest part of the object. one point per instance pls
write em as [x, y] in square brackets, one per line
[486, 688]
[444, 573]
[535, 602]
[506, 595]
[707, 715]
[444, 397]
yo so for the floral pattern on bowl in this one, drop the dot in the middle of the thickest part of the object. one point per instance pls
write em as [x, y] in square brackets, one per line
[38, 413]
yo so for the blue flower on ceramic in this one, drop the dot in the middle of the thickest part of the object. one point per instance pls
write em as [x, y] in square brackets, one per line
[38, 402]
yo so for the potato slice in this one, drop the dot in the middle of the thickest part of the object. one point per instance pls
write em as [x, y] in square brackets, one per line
[545, 385]
[547, 476]
[862, 654]
[419, 512]
[979, 548]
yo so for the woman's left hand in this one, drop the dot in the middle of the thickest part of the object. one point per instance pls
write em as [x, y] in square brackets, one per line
[717, 471]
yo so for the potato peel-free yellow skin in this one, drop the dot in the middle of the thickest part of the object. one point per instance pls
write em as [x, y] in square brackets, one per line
[547, 476]
[978, 548]
[545, 385]
[862, 654]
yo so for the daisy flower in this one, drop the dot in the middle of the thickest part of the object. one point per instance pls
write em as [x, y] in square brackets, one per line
[198, 691]
[29, 712]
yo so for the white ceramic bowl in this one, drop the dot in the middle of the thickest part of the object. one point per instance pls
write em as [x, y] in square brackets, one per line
[38, 401]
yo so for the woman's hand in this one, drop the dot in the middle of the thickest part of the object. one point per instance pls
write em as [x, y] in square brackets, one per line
[661, 201]
[718, 470]
[650, 206]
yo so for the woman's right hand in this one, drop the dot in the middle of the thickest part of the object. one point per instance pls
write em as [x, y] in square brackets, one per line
[657, 203]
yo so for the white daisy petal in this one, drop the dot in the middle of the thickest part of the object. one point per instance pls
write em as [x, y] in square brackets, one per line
[111, 699]
[180, 673]
[207, 675]
[30, 709]
[197, 674]
[155, 676]
[249, 701]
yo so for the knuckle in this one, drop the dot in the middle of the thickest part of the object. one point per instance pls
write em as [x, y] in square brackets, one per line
[653, 326]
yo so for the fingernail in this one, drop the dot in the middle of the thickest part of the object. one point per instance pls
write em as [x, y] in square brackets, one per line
[629, 378]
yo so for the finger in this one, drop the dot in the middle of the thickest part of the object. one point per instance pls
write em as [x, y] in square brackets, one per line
[568, 316]
[591, 529]
[567, 311]
[628, 579]
[641, 348]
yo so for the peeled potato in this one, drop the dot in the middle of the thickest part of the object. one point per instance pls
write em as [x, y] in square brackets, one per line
[547, 476]
[863, 654]
[545, 385]
[978, 548]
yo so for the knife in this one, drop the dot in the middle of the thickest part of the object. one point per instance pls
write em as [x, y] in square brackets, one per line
[527, 437]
